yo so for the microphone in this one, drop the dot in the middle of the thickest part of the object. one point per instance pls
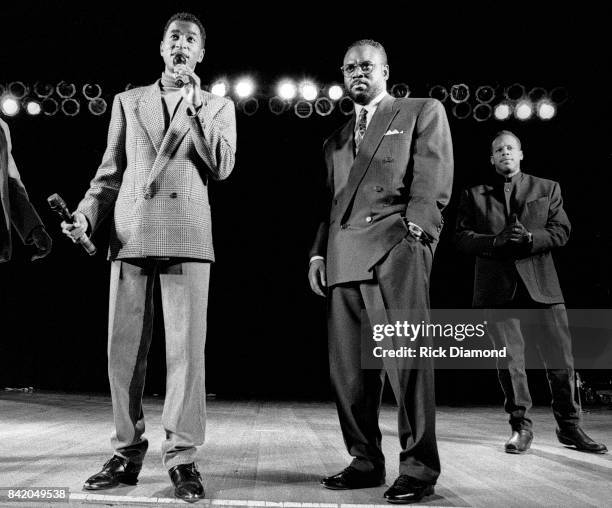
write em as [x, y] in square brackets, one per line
[179, 58]
[58, 205]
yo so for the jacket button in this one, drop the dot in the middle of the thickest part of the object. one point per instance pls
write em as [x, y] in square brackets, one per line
[368, 219]
[343, 226]
[148, 195]
[378, 188]
[173, 195]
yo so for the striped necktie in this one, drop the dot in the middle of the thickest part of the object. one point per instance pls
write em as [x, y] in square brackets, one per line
[361, 128]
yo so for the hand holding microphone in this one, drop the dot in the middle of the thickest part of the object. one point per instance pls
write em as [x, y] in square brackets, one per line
[73, 226]
[187, 80]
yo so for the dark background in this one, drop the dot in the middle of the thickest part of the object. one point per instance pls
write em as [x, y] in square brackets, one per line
[266, 329]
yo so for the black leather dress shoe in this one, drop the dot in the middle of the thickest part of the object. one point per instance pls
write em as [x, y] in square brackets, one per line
[575, 436]
[352, 478]
[117, 470]
[187, 482]
[407, 489]
[519, 442]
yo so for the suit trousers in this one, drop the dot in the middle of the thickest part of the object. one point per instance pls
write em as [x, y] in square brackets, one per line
[184, 297]
[401, 284]
[546, 327]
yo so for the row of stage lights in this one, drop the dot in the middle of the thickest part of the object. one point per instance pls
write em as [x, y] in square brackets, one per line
[39, 99]
[305, 98]
[515, 101]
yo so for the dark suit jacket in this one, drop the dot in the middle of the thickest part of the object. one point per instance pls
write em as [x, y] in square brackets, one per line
[404, 168]
[15, 206]
[482, 216]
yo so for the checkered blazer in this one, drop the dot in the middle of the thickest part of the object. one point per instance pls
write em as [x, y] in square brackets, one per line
[156, 181]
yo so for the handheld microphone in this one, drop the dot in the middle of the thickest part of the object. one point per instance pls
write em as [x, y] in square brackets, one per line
[179, 58]
[58, 205]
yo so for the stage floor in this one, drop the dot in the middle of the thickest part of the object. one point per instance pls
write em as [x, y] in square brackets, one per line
[271, 453]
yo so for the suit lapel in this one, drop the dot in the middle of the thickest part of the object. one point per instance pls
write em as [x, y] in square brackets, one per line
[374, 135]
[151, 115]
[343, 156]
[174, 135]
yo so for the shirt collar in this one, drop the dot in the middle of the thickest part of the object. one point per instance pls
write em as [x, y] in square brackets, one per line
[371, 107]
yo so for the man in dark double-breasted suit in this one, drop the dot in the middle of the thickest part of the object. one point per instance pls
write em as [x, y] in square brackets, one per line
[512, 226]
[15, 207]
[389, 176]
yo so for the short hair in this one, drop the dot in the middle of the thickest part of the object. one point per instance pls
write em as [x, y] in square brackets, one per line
[372, 43]
[190, 18]
[506, 133]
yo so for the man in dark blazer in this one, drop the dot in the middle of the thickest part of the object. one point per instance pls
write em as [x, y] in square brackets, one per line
[165, 144]
[512, 225]
[389, 176]
[17, 211]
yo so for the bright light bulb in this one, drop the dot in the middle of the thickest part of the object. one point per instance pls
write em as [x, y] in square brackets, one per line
[546, 110]
[309, 91]
[502, 111]
[245, 88]
[10, 106]
[286, 90]
[523, 110]
[335, 92]
[219, 88]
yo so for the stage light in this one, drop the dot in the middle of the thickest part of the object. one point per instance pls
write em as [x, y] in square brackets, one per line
[482, 112]
[97, 106]
[244, 88]
[438, 92]
[502, 111]
[65, 90]
[462, 110]
[277, 105]
[33, 107]
[559, 95]
[9, 106]
[49, 106]
[536, 94]
[323, 106]
[43, 90]
[249, 106]
[219, 88]
[308, 90]
[523, 110]
[346, 106]
[546, 110]
[286, 90]
[92, 92]
[18, 89]
[303, 109]
[485, 94]
[70, 107]
[400, 90]
[459, 93]
[335, 92]
[514, 92]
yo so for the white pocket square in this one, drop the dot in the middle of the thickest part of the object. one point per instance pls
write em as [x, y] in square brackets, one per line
[392, 132]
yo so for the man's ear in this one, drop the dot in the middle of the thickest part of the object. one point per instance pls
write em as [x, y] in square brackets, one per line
[201, 55]
[492, 161]
[386, 72]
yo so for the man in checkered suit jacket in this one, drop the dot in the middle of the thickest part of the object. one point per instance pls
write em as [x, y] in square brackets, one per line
[165, 143]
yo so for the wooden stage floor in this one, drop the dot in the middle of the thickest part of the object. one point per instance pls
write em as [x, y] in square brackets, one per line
[271, 453]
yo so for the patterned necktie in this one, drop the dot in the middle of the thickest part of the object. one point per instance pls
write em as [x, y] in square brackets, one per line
[361, 128]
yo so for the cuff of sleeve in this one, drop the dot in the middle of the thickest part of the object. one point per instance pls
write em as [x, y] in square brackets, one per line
[314, 258]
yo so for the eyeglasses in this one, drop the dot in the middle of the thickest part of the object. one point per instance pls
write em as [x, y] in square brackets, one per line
[366, 67]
